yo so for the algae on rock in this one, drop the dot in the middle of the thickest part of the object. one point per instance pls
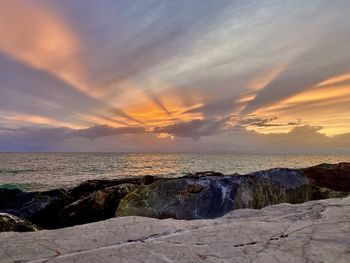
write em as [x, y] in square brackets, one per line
[12, 223]
[213, 196]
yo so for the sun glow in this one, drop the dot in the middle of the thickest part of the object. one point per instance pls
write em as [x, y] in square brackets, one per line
[158, 106]
[165, 136]
[326, 104]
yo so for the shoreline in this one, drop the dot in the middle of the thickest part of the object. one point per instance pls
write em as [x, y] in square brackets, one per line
[111, 220]
[202, 195]
[40, 172]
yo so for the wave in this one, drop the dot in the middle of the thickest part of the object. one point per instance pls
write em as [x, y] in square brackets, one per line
[22, 186]
[16, 171]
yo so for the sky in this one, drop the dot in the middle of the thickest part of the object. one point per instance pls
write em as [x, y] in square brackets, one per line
[236, 76]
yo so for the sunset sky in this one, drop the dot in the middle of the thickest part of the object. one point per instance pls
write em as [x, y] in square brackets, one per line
[245, 76]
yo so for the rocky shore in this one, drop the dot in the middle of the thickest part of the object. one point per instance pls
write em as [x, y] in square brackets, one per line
[315, 231]
[205, 195]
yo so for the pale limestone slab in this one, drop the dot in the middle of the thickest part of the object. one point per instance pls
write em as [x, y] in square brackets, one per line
[317, 231]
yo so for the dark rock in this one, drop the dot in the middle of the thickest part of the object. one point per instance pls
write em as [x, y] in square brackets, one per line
[45, 209]
[198, 197]
[279, 185]
[319, 193]
[193, 188]
[149, 179]
[98, 206]
[203, 174]
[86, 188]
[12, 223]
[40, 208]
[194, 196]
[14, 198]
[332, 176]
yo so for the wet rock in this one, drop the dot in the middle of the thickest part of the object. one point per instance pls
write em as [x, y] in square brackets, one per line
[45, 209]
[194, 196]
[203, 174]
[212, 196]
[319, 193]
[98, 206]
[12, 223]
[149, 179]
[14, 198]
[332, 176]
[279, 185]
[40, 208]
[86, 188]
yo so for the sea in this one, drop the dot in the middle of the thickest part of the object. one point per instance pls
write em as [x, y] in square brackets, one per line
[44, 171]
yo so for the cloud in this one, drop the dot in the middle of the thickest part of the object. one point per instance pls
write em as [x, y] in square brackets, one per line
[300, 140]
[315, 65]
[124, 39]
[118, 74]
[330, 102]
[51, 138]
[216, 108]
[105, 130]
[27, 90]
[252, 121]
[49, 45]
[195, 128]
[121, 113]
[260, 122]
[158, 102]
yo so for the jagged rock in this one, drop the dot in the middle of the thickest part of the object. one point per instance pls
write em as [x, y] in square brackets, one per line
[203, 174]
[198, 195]
[99, 205]
[332, 176]
[14, 198]
[211, 196]
[86, 188]
[40, 208]
[12, 223]
[317, 231]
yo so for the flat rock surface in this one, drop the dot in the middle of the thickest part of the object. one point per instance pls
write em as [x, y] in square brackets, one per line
[317, 231]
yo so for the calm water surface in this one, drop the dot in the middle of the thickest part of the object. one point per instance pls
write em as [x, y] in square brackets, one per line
[41, 171]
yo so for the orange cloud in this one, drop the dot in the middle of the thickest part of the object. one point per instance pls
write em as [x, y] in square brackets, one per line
[325, 105]
[36, 119]
[335, 80]
[34, 35]
[137, 102]
[261, 81]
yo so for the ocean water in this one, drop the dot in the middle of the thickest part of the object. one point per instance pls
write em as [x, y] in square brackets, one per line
[42, 171]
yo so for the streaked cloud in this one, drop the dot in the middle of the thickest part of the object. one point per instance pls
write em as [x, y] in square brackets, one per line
[104, 130]
[330, 101]
[195, 128]
[35, 36]
[174, 74]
